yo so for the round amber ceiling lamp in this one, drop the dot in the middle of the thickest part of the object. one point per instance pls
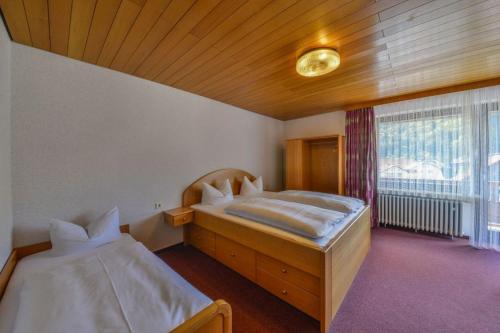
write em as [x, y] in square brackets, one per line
[318, 62]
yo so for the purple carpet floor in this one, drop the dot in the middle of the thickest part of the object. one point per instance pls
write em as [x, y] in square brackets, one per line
[408, 283]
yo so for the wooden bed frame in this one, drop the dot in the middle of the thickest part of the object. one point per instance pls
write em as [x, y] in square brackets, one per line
[314, 281]
[215, 318]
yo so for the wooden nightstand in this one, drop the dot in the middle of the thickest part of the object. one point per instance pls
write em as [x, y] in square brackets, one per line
[179, 216]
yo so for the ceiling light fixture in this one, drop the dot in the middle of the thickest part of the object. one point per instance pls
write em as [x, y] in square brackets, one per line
[318, 62]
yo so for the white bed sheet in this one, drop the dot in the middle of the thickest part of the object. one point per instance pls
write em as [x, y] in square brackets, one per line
[317, 243]
[300, 219]
[162, 300]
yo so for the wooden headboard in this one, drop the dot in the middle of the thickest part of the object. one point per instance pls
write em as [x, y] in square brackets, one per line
[192, 194]
[21, 252]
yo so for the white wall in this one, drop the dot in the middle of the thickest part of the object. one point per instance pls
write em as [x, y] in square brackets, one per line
[5, 148]
[86, 138]
[322, 124]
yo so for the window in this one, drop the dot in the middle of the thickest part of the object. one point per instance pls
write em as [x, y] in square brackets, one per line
[421, 153]
[445, 146]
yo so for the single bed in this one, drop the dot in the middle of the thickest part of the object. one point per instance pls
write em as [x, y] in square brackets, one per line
[35, 298]
[313, 275]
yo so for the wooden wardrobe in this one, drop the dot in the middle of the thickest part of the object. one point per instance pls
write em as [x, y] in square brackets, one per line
[316, 164]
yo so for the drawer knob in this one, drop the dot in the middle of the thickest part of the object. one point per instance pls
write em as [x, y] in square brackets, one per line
[233, 255]
[283, 270]
[185, 218]
[284, 292]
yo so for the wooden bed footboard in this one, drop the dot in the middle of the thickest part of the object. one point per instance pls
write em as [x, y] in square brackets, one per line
[215, 318]
[7, 271]
[341, 264]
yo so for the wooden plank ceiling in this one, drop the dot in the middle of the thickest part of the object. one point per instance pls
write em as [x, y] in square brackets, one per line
[243, 52]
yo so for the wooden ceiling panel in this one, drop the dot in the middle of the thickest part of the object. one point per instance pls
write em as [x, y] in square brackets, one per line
[104, 15]
[82, 13]
[175, 65]
[243, 52]
[296, 15]
[253, 63]
[15, 15]
[152, 64]
[124, 19]
[148, 17]
[219, 69]
[60, 20]
[217, 16]
[336, 27]
[37, 13]
[168, 19]
[264, 65]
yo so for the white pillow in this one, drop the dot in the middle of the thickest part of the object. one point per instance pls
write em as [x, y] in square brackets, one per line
[106, 228]
[67, 237]
[70, 238]
[249, 188]
[212, 196]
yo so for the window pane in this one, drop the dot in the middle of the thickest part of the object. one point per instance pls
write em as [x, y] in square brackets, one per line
[421, 155]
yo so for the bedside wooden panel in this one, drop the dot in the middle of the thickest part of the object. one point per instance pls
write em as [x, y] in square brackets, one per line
[238, 257]
[288, 273]
[202, 239]
[290, 293]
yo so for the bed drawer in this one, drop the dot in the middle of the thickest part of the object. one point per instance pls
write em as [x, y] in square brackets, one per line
[288, 273]
[290, 293]
[236, 256]
[202, 239]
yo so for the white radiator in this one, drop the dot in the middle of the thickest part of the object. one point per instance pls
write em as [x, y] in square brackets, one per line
[432, 215]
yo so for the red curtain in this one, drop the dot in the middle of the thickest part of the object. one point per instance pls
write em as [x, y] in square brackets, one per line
[361, 158]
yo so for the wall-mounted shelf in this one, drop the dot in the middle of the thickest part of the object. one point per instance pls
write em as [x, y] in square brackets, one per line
[179, 216]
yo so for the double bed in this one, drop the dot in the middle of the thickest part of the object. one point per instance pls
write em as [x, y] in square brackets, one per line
[313, 275]
[120, 287]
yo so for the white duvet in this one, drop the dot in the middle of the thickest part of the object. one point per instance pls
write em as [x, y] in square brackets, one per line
[322, 200]
[120, 288]
[305, 220]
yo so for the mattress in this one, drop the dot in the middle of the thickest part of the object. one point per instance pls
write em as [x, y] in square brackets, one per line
[321, 244]
[132, 291]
